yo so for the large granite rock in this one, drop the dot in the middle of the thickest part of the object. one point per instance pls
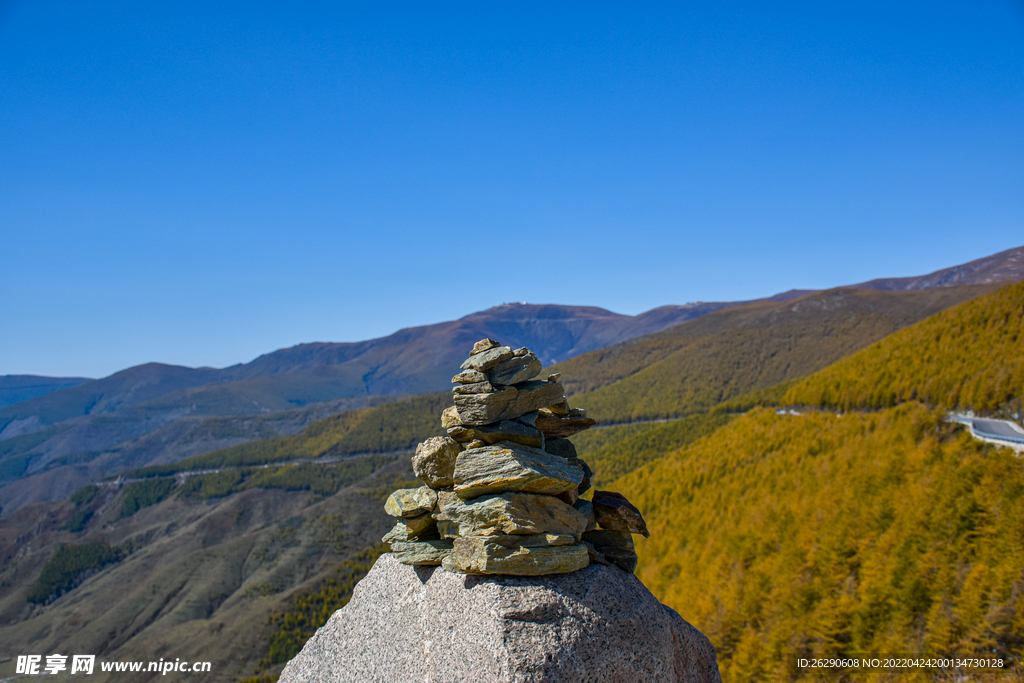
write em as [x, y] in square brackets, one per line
[415, 624]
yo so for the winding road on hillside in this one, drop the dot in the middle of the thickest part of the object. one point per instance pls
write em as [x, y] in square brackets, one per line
[1000, 431]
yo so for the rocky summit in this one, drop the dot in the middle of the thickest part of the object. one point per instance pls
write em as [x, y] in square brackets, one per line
[503, 488]
[409, 624]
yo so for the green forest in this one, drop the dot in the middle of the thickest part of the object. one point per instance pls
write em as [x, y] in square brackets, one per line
[67, 566]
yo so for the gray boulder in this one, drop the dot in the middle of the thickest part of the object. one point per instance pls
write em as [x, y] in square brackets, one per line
[599, 624]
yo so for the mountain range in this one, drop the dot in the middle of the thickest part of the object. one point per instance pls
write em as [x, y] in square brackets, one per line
[81, 430]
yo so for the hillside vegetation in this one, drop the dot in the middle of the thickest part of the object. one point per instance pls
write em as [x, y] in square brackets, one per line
[726, 354]
[324, 480]
[387, 428]
[968, 357]
[881, 531]
[816, 534]
[66, 567]
[615, 451]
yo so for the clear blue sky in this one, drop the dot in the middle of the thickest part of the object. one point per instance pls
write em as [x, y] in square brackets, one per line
[199, 183]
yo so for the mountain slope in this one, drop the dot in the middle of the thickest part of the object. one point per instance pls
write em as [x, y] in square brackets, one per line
[1006, 266]
[393, 427]
[122, 389]
[49, 465]
[410, 361]
[836, 536]
[967, 357]
[692, 367]
[197, 576]
[18, 388]
[672, 373]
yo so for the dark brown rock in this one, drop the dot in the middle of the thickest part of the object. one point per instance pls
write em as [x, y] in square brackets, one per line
[614, 512]
[568, 497]
[559, 426]
[585, 508]
[504, 430]
[560, 447]
[615, 546]
[588, 475]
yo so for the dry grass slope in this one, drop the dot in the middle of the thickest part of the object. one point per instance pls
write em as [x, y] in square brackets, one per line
[723, 355]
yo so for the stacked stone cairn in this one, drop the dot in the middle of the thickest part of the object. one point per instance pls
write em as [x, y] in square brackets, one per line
[502, 493]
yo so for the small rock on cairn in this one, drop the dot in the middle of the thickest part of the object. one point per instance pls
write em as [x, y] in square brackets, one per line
[503, 488]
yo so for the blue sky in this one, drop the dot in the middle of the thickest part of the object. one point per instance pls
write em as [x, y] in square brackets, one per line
[199, 183]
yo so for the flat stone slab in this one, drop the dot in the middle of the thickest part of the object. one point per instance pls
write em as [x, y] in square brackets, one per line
[483, 555]
[508, 466]
[519, 368]
[422, 553]
[507, 404]
[561, 427]
[505, 430]
[486, 359]
[413, 624]
[510, 513]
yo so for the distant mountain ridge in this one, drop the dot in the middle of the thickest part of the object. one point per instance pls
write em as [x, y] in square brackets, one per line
[1006, 266]
[410, 361]
[18, 388]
